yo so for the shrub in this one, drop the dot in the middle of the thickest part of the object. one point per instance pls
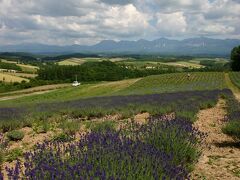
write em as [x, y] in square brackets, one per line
[42, 127]
[101, 126]
[62, 137]
[70, 128]
[232, 128]
[14, 154]
[15, 135]
[9, 125]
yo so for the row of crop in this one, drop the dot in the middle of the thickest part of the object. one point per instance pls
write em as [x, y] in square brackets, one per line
[235, 78]
[164, 148]
[232, 127]
[184, 104]
[177, 82]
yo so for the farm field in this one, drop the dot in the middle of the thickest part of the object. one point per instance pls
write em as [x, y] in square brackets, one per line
[79, 61]
[117, 128]
[29, 91]
[72, 61]
[177, 82]
[28, 68]
[148, 85]
[23, 75]
[11, 78]
[235, 78]
[189, 64]
[71, 93]
[25, 68]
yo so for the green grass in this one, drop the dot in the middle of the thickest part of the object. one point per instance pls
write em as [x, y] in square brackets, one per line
[235, 78]
[232, 128]
[148, 85]
[15, 135]
[177, 82]
[71, 93]
[101, 126]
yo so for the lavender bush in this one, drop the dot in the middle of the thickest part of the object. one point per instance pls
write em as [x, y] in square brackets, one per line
[232, 127]
[149, 152]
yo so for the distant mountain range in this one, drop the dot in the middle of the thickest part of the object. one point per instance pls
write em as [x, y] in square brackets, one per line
[162, 46]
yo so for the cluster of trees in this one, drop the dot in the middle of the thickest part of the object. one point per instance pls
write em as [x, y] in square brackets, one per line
[235, 58]
[94, 71]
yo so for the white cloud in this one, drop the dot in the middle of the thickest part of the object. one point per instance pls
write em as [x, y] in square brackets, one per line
[89, 21]
[171, 24]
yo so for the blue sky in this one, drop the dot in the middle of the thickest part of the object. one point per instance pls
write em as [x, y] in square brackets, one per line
[90, 21]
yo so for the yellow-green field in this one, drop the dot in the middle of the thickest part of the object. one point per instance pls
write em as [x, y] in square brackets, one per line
[24, 67]
[11, 78]
[79, 61]
[28, 68]
[23, 75]
[72, 61]
[189, 64]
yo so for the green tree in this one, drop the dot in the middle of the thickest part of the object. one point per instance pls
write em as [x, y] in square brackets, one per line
[235, 58]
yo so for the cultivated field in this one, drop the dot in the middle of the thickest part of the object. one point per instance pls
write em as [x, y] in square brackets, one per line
[187, 64]
[28, 68]
[156, 127]
[177, 82]
[6, 77]
[23, 75]
[25, 68]
[235, 78]
[72, 61]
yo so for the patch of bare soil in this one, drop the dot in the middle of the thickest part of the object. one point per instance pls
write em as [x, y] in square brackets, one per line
[141, 118]
[220, 157]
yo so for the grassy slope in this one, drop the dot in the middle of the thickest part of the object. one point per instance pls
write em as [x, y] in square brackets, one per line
[149, 85]
[83, 91]
[177, 82]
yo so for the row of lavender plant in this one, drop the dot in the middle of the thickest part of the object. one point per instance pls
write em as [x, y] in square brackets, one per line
[188, 100]
[164, 148]
[232, 127]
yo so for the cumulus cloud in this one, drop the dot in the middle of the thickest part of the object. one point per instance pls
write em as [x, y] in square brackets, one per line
[90, 21]
[171, 24]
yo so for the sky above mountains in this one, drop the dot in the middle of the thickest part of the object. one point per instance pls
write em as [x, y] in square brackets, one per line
[86, 22]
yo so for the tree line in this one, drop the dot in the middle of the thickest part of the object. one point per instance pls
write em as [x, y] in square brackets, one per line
[95, 71]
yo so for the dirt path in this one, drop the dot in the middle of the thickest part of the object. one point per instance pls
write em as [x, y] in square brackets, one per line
[220, 155]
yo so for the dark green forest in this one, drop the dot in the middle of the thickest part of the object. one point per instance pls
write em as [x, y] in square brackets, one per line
[95, 71]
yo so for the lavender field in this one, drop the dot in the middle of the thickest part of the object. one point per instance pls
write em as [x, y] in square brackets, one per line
[190, 101]
[145, 154]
